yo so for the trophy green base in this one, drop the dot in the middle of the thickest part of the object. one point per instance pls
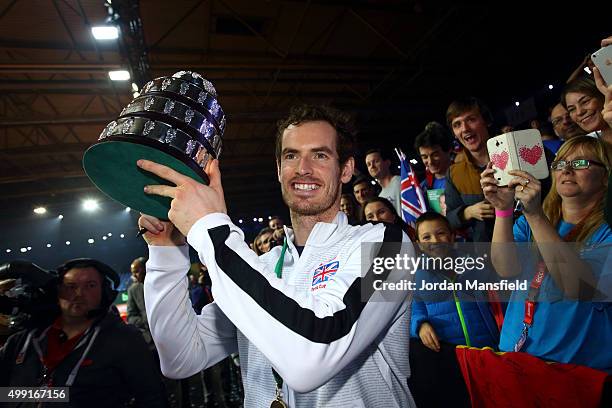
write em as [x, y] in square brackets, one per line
[111, 166]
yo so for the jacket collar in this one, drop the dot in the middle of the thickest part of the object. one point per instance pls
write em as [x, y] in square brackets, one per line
[321, 233]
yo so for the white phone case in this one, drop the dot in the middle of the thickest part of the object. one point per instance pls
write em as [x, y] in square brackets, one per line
[603, 61]
[520, 150]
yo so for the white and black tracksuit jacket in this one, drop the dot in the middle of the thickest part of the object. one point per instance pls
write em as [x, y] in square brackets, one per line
[331, 348]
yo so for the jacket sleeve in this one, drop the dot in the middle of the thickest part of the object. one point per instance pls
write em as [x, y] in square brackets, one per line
[328, 329]
[133, 312]
[419, 316]
[454, 204]
[186, 342]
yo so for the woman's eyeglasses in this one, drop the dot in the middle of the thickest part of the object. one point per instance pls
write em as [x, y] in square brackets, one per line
[579, 164]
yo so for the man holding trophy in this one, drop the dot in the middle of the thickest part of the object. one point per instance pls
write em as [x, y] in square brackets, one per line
[308, 330]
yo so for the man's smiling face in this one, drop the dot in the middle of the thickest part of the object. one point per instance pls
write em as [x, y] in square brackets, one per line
[309, 169]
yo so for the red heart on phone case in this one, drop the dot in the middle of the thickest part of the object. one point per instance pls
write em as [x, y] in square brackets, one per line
[531, 155]
[500, 159]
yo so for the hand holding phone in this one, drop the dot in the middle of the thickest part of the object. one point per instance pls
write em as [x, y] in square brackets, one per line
[603, 77]
[518, 150]
[603, 61]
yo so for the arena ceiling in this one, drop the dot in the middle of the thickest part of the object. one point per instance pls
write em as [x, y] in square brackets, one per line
[395, 64]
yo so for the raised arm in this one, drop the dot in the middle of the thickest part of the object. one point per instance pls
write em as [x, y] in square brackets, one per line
[503, 252]
[187, 343]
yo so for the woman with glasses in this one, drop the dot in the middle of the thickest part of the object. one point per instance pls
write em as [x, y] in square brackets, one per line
[584, 103]
[562, 316]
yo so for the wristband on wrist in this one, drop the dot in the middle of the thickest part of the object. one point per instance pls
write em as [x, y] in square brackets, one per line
[504, 213]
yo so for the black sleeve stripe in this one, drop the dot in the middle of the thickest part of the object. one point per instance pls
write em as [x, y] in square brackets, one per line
[287, 311]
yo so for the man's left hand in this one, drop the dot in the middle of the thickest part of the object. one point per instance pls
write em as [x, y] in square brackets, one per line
[191, 200]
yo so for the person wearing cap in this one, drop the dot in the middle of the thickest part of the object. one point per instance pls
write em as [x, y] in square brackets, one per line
[102, 361]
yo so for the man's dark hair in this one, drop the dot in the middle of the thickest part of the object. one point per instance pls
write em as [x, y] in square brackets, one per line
[360, 180]
[431, 216]
[462, 105]
[107, 274]
[382, 152]
[340, 121]
[434, 134]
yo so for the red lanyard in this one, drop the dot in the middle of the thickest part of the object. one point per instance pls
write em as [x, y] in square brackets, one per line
[534, 289]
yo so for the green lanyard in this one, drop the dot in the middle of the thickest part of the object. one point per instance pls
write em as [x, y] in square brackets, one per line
[462, 320]
[460, 313]
[278, 269]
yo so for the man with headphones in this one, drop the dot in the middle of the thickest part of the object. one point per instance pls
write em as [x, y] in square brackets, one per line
[103, 362]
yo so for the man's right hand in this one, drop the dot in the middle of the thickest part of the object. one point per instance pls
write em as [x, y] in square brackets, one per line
[429, 337]
[160, 233]
[479, 211]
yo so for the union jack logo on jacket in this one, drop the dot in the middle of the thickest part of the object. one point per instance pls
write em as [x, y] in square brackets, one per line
[324, 272]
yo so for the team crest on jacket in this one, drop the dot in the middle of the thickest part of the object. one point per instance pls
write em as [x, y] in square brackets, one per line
[323, 273]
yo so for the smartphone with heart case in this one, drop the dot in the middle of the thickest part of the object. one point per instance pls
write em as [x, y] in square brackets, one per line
[520, 150]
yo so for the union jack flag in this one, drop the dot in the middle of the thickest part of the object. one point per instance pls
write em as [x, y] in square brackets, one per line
[324, 272]
[413, 199]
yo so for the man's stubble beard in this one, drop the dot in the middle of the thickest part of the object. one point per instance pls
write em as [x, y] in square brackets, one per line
[311, 211]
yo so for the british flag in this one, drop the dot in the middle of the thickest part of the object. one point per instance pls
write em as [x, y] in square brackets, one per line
[413, 199]
[324, 272]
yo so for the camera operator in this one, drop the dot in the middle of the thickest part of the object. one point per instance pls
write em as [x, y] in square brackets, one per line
[104, 362]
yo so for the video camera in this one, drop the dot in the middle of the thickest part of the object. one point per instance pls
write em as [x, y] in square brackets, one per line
[31, 298]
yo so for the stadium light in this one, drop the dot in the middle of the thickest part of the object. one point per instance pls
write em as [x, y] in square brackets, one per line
[90, 205]
[105, 32]
[119, 75]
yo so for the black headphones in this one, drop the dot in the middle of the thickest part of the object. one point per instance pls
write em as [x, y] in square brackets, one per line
[110, 280]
